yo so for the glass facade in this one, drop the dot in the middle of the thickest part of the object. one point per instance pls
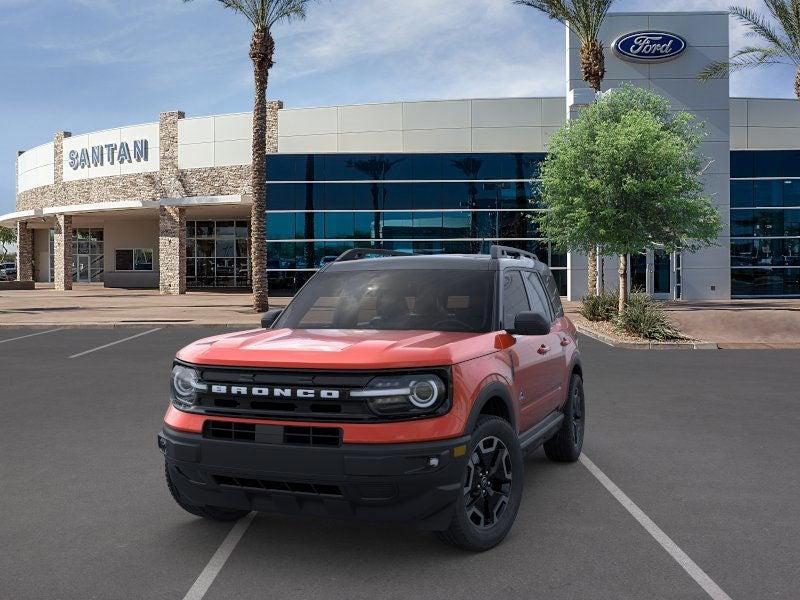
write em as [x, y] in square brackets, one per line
[88, 262]
[320, 205]
[217, 254]
[765, 223]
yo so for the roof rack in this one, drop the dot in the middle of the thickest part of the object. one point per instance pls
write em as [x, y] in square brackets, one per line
[497, 252]
[359, 253]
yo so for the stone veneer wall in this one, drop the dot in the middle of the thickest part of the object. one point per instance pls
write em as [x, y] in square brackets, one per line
[169, 182]
[24, 252]
[62, 251]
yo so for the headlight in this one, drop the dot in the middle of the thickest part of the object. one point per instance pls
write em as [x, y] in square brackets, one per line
[185, 385]
[398, 395]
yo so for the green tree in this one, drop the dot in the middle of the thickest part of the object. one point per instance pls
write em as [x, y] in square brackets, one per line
[7, 236]
[778, 37]
[626, 174]
[263, 15]
[584, 19]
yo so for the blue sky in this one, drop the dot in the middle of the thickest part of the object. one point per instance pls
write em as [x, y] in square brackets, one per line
[84, 65]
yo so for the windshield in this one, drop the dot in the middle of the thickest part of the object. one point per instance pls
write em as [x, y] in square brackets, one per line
[434, 300]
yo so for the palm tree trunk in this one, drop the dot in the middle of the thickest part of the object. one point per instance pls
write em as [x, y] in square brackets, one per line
[623, 282]
[593, 70]
[797, 84]
[593, 67]
[261, 51]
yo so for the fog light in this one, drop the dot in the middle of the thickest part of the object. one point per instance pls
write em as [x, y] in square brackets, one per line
[433, 461]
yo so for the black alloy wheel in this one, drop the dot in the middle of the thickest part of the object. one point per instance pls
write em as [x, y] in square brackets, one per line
[487, 485]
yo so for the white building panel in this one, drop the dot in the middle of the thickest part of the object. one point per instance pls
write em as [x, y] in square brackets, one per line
[773, 113]
[308, 121]
[371, 141]
[738, 108]
[233, 152]
[767, 138]
[237, 126]
[195, 156]
[507, 139]
[698, 29]
[302, 144]
[508, 112]
[444, 114]
[370, 117]
[196, 131]
[437, 140]
[554, 111]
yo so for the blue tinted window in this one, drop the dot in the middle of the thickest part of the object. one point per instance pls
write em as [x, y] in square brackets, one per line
[426, 166]
[282, 196]
[791, 192]
[457, 224]
[465, 166]
[455, 195]
[742, 164]
[426, 195]
[397, 196]
[427, 225]
[768, 193]
[309, 225]
[367, 225]
[339, 196]
[768, 163]
[741, 194]
[398, 225]
[280, 226]
[281, 167]
[339, 225]
[742, 223]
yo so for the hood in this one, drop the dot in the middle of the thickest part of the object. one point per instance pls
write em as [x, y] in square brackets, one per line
[339, 348]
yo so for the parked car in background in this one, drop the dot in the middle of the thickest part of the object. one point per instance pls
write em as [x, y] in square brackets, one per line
[8, 271]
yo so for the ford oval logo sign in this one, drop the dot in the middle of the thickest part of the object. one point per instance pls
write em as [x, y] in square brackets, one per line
[649, 46]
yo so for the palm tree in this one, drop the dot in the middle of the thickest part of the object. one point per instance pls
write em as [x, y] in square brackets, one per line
[377, 169]
[780, 41]
[584, 19]
[263, 15]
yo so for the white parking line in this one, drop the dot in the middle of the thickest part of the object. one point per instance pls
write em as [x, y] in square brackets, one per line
[214, 566]
[22, 337]
[115, 343]
[688, 565]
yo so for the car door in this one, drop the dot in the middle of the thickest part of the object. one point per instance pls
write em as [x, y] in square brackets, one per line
[527, 359]
[550, 384]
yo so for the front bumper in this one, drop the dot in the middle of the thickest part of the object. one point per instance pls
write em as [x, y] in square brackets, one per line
[415, 483]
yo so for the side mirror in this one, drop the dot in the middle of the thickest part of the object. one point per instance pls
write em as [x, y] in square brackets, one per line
[269, 317]
[531, 323]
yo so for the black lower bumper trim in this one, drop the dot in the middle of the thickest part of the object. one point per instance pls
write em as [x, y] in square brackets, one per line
[416, 482]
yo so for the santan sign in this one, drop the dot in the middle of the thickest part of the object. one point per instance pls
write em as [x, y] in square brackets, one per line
[649, 46]
[97, 156]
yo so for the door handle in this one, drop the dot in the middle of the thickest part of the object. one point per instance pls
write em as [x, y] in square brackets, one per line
[543, 349]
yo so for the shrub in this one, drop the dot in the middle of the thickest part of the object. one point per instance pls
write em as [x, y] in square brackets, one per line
[601, 307]
[645, 318]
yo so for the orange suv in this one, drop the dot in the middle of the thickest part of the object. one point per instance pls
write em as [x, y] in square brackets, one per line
[392, 388]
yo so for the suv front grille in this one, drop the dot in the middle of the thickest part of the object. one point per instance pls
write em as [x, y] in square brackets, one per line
[284, 394]
[273, 434]
[317, 489]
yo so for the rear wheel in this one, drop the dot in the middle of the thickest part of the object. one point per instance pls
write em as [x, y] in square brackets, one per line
[566, 445]
[207, 512]
[491, 488]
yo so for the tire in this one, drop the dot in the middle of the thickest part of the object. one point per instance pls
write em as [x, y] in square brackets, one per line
[207, 512]
[566, 444]
[477, 525]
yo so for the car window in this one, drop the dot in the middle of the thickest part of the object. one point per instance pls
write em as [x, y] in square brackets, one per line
[555, 298]
[413, 299]
[515, 298]
[539, 301]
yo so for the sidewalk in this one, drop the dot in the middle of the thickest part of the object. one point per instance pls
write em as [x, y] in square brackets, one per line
[736, 324]
[89, 305]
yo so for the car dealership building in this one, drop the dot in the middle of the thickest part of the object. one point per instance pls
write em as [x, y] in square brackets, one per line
[166, 204]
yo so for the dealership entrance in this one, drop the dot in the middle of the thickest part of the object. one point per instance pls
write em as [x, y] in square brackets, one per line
[654, 272]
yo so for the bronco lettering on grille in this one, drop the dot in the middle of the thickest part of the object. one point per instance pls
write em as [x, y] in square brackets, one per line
[275, 392]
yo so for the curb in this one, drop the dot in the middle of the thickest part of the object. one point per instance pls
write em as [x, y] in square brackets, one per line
[646, 345]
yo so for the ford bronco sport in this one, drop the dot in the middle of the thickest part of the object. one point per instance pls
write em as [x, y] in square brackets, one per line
[397, 388]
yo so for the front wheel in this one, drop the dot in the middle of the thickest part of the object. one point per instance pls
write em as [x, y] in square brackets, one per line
[566, 444]
[491, 488]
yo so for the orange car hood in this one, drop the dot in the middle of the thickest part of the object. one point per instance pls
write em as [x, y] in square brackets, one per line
[339, 348]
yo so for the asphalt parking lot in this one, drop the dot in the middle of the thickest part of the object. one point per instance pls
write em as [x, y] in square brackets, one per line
[703, 442]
